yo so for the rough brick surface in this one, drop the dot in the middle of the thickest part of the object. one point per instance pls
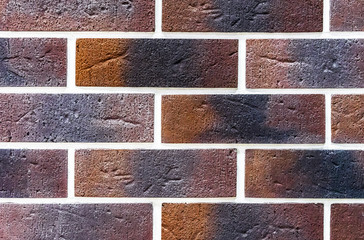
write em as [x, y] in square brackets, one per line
[33, 173]
[243, 118]
[155, 173]
[33, 62]
[346, 15]
[76, 117]
[347, 118]
[157, 63]
[304, 174]
[76, 221]
[242, 16]
[77, 15]
[242, 221]
[347, 221]
[303, 63]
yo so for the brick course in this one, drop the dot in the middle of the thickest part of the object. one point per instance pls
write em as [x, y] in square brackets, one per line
[347, 221]
[346, 15]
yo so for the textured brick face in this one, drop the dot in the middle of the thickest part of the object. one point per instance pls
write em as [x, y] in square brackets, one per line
[243, 119]
[157, 63]
[242, 221]
[76, 221]
[242, 16]
[347, 118]
[33, 62]
[346, 15]
[77, 15]
[76, 117]
[304, 174]
[347, 221]
[33, 173]
[155, 173]
[319, 63]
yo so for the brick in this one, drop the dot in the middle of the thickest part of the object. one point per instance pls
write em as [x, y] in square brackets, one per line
[243, 119]
[347, 221]
[347, 118]
[76, 117]
[77, 15]
[76, 221]
[33, 173]
[33, 62]
[346, 15]
[304, 174]
[242, 16]
[305, 63]
[155, 173]
[242, 221]
[157, 63]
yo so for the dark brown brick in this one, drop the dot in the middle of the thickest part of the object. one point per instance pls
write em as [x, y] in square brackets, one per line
[77, 15]
[304, 174]
[33, 62]
[33, 173]
[76, 221]
[347, 221]
[242, 16]
[305, 63]
[76, 117]
[155, 173]
[347, 119]
[242, 221]
[243, 119]
[157, 63]
[346, 15]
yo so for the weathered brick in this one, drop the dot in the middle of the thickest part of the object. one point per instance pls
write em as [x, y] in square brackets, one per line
[346, 15]
[76, 117]
[77, 15]
[242, 16]
[33, 173]
[33, 62]
[76, 221]
[347, 221]
[157, 63]
[155, 173]
[305, 63]
[242, 221]
[243, 118]
[347, 119]
[304, 174]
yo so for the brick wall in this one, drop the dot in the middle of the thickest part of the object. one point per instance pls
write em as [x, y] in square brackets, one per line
[190, 119]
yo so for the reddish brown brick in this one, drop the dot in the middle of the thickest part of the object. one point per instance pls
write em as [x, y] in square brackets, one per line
[76, 221]
[77, 15]
[157, 63]
[33, 173]
[242, 221]
[304, 174]
[33, 62]
[155, 173]
[76, 117]
[242, 16]
[347, 119]
[346, 15]
[347, 221]
[305, 63]
[243, 119]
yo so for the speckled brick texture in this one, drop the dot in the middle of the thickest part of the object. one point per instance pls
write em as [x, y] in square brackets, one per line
[304, 174]
[243, 118]
[155, 173]
[76, 117]
[242, 16]
[305, 63]
[77, 15]
[347, 221]
[157, 63]
[346, 15]
[33, 173]
[76, 221]
[242, 221]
